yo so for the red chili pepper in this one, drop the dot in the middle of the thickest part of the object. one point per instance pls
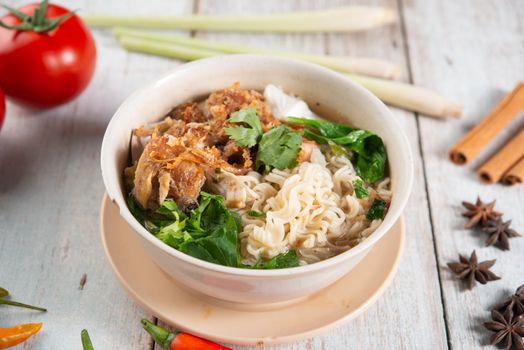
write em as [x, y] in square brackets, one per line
[177, 340]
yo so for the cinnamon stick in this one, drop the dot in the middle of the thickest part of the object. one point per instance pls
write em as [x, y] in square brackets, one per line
[501, 162]
[481, 135]
[515, 175]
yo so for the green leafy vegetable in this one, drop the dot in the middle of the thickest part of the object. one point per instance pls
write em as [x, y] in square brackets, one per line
[377, 210]
[337, 150]
[219, 229]
[150, 221]
[279, 148]
[360, 190]
[289, 259]
[327, 129]
[256, 214]
[245, 136]
[170, 210]
[174, 234]
[134, 208]
[368, 149]
[209, 232]
[216, 231]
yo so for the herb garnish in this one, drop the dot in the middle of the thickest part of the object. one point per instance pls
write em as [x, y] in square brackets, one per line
[279, 148]
[377, 210]
[245, 136]
[368, 149]
[289, 259]
[360, 190]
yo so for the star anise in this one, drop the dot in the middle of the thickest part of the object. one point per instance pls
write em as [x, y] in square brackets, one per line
[499, 231]
[471, 270]
[509, 329]
[514, 303]
[479, 213]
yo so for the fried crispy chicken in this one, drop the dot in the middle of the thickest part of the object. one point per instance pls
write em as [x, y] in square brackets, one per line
[222, 103]
[189, 145]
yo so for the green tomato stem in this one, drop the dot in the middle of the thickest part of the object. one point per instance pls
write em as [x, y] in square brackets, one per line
[36, 22]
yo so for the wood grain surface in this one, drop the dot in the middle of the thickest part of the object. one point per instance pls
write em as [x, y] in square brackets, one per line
[51, 187]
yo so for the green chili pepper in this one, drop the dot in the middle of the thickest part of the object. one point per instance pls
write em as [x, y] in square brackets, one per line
[86, 341]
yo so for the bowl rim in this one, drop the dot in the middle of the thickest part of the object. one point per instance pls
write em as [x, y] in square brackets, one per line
[363, 246]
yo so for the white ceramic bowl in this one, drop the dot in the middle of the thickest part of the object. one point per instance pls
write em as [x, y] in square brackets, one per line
[329, 94]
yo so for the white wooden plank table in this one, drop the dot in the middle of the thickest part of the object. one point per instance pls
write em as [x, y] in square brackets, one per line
[51, 188]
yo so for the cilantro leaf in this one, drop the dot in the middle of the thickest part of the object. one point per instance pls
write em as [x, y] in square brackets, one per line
[279, 148]
[360, 190]
[245, 136]
[368, 149]
[377, 210]
[248, 116]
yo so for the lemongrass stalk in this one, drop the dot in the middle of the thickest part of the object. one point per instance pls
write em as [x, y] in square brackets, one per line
[180, 52]
[402, 95]
[365, 66]
[410, 97]
[342, 19]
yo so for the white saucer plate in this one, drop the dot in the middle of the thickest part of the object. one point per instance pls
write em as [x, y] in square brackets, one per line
[192, 312]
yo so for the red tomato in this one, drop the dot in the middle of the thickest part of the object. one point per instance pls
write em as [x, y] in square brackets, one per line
[48, 68]
[2, 108]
